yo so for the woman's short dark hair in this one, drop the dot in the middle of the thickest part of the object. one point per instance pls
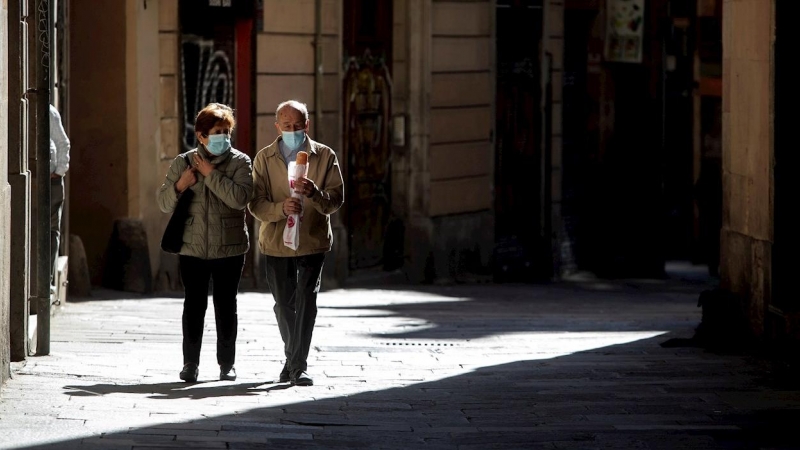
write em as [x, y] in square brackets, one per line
[212, 115]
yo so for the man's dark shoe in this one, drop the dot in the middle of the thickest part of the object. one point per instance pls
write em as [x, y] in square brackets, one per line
[302, 379]
[189, 372]
[284, 376]
[227, 373]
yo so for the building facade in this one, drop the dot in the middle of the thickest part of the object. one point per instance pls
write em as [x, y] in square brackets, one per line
[757, 228]
[404, 90]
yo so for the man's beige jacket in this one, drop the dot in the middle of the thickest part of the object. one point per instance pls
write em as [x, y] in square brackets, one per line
[271, 188]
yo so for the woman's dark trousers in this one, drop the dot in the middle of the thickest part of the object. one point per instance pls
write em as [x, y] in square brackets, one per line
[294, 283]
[225, 274]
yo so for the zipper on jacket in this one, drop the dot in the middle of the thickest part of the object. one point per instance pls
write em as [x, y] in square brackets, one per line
[205, 193]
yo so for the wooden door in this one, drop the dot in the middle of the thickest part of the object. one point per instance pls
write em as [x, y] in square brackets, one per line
[367, 109]
[518, 142]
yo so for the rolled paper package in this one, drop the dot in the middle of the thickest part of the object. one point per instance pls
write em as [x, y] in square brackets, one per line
[297, 169]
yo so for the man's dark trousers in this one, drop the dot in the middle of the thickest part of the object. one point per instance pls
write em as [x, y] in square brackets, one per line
[56, 210]
[195, 274]
[294, 283]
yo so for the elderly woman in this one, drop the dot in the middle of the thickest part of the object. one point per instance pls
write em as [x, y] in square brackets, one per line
[215, 237]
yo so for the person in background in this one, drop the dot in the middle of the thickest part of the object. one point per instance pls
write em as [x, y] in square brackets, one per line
[294, 276]
[59, 164]
[215, 239]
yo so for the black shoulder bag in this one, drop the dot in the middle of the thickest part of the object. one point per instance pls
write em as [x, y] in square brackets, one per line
[172, 240]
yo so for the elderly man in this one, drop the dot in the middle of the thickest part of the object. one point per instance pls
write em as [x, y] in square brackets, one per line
[294, 276]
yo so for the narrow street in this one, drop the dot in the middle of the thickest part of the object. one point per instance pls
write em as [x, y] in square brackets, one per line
[574, 365]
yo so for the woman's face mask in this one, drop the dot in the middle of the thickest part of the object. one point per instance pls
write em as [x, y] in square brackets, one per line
[218, 144]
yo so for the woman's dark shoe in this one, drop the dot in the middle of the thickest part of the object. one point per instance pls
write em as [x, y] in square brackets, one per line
[302, 379]
[227, 373]
[189, 372]
[284, 376]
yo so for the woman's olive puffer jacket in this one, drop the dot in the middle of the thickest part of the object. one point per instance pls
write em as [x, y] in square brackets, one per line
[216, 225]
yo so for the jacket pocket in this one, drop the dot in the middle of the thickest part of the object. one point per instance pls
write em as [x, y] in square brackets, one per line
[233, 230]
[187, 230]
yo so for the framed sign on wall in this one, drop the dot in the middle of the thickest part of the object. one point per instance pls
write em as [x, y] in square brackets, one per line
[624, 30]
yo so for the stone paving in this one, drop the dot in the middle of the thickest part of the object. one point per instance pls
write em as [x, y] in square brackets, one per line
[575, 365]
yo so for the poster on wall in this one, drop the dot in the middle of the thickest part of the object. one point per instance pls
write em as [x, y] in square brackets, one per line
[624, 30]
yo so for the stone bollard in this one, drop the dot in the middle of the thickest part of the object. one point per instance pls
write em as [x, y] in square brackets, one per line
[127, 266]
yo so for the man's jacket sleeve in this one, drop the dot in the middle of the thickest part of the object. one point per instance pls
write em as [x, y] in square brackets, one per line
[330, 196]
[262, 207]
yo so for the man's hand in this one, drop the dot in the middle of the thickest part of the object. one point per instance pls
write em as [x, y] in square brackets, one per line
[305, 186]
[54, 175]
[202, 166]
[292, 206]
[188, 179]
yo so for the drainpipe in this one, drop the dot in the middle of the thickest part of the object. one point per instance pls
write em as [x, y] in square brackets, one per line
[43, 261]
[318, 70]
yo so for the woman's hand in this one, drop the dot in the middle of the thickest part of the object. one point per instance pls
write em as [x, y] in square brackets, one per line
[202, 166]
[188, 179]
[292, 206]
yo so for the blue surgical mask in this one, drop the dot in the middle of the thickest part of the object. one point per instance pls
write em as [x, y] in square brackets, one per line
[293, 139]
[218, 144]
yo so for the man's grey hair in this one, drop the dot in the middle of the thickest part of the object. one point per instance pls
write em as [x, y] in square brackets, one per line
[300, 106]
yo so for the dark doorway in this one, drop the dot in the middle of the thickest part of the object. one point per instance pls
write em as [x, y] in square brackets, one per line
[216, 65]
[785, 243]
[367, 109]
[580, 134]
[678, 85]
[708, 151]
[522, 251]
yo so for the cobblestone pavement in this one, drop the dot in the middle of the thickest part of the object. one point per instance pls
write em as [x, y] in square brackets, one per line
[575, 365]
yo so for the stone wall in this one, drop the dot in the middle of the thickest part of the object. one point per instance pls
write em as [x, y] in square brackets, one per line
[747, 156]
[167, 145]
[5, 202]
[19, 177]
[145, 108]
[99, 175]
[443, 176]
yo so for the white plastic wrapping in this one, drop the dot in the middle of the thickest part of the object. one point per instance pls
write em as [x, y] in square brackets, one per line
[291, 233]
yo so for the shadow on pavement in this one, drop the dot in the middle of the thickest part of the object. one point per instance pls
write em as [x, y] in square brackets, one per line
[168, 391]
[472, 312]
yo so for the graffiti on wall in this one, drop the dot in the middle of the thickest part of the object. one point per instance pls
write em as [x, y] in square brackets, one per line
[207, 76]
[367, 109]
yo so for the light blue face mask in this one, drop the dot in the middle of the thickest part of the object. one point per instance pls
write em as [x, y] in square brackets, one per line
[218, 144]
[294, 139]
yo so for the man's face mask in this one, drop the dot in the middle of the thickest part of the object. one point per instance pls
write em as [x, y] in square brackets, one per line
[218, 144]
[293, 139]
